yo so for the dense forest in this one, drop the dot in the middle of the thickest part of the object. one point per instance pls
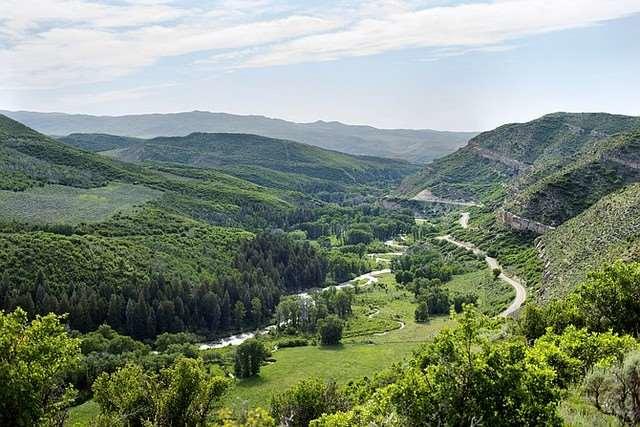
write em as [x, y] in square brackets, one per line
[265, 267]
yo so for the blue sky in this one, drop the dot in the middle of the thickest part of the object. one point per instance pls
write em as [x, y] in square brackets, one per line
[458, 65]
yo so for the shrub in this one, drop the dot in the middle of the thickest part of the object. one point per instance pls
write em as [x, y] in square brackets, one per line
[330, 330]
[249, 357]
[293, 342]
[422, 312]
[307, 400]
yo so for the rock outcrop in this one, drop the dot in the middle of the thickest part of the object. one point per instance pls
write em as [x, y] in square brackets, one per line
[519, 223]
[516, 165]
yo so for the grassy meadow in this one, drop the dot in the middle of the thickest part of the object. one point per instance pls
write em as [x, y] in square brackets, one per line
[494, 295]
[59, 204]
[374, 339]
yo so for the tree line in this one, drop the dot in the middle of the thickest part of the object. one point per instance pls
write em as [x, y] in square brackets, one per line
[264, 268]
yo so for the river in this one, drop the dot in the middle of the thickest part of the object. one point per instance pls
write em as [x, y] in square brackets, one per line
[370, 277]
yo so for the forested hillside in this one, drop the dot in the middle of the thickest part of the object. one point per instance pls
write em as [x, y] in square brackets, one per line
[141, 247]
[113, 242]
[416, 146]
[608, 230]
[243, 155]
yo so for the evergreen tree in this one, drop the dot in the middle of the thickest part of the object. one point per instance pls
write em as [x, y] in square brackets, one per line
[5, 288]
[256, 310]
[115, 312]
[225, 319]
[211, 310]
[239, 312]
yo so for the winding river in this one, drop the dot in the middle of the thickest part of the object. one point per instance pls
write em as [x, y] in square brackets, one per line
[372, 277]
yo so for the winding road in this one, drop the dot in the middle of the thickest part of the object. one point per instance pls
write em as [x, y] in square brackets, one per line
[492, 263]
[464, 219]
[372, 277]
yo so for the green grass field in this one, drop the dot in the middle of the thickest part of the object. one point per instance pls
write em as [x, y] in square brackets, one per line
[362, 353]
[493, 295]
[81, 415]
[70, 205]
[373, 340]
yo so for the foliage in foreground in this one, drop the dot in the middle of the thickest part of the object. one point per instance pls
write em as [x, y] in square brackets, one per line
[34, 357]
[306, 401]
[608, 300]
[181, 395]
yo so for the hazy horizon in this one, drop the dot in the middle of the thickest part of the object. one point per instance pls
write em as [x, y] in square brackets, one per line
[410, 64]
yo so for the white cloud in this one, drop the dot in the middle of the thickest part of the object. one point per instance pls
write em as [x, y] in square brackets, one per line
[465, 25]
[53, 43]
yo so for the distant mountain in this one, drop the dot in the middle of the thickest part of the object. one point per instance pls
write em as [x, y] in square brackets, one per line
[244, 155]
[416, 146]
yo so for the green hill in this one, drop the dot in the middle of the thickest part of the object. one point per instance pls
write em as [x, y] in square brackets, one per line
[146, 248]
[512, 157]
[97, 142]
[47, 186]
[416, 146]
[576, 172]
[29, 159]
[609, 165]
[252, 157]
[608, 230]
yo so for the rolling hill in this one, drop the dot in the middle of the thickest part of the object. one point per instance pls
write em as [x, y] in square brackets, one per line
[61, 197]
[159, 244]
[240, 154]
[416, 146]
[517, 155]
[145, 248]
[608, 230]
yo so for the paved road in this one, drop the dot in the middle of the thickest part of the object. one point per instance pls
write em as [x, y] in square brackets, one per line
[427, 196]
[464, 219]
[492, 263]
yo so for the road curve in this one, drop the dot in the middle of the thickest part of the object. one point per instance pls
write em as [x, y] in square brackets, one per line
[464, 219]
[492, 263]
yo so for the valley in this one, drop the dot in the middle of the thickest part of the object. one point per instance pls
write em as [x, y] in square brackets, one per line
[280, 270]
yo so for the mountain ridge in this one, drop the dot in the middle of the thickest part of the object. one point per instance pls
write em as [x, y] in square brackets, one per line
[568, 181]
[415, 145]
[237, 154]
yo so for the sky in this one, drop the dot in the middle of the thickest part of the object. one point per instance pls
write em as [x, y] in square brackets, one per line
[438, 64]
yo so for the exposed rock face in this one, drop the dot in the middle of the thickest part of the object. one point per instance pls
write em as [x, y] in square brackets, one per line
[519, 223]
[517, 165]
[628, 163]
[427, 196]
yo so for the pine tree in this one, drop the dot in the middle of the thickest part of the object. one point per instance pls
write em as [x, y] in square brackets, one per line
[238, 314]
[225, 308]
[130, 314]
[256, 310]
[115, 312]
[151, 323]
[5, 288]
